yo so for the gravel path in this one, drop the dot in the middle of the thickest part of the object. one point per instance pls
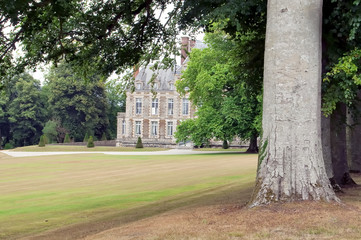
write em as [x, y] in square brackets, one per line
[168, 152]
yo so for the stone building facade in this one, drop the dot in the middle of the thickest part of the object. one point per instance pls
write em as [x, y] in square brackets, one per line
[154, 110]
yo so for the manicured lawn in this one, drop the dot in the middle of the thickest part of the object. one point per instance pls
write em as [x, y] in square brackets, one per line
[64, 148]
[49, 192]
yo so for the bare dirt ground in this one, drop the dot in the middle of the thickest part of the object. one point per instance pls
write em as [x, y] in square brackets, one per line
[306, 220]
[226, 216]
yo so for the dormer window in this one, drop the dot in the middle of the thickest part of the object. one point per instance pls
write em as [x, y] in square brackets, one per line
[138, 86]
[171, 86]
[155, 86]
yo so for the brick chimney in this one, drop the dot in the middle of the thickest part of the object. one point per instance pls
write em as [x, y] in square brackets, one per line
[135, 71]
[184, 49]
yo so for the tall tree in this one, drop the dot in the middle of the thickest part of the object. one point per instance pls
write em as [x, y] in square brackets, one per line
[77, 105]
[115, 92]
[216, 81]
[25, 110]
[291, 166]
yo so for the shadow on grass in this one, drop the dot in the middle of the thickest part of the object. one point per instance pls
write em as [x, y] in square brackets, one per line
[237, 194]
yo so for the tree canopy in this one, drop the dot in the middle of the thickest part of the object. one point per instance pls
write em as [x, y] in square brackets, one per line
[78, 106]
[226, 105]
[102, 36]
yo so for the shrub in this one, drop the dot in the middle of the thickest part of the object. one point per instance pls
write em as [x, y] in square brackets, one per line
[67, 138]
[42, 141]
[90, 142]
[225, 144]
[86, 137]
[50, 131]
[104, 137]
[8, 146]
[46, 139]
[139, 143]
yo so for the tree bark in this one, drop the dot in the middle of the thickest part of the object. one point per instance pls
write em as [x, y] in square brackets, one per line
[326, 145]
[339, 147]
[291, 165]
[355, 142]
[253, 147]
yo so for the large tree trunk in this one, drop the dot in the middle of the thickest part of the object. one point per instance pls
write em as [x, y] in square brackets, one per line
[326, 146]
[253, 147]
[339, 147]
[291, 165]
[355, 142]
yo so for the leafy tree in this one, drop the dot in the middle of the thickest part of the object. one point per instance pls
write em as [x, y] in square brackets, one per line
[4, 119]
[115, 92]
[90, 142]
[86, 137]
[216, 81]
[25, 110]
[78, 106]
[96, 36]
[49, 130]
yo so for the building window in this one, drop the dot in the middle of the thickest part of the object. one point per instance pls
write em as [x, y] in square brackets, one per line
[185, 107]
[137, 127]
[139, 86]
[170, 106]
[170, 128]
[155, 86]
[123, 127]
[138, 106]
[155, 106]
[154, 129]
[171, 86]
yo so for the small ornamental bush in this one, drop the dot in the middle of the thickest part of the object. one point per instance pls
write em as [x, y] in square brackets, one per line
[90, 142]
[42, 141]
[225, 144]
[139, 143]
[8, 146]
[86, 137]
[104, 137]
[67, 138]
[46, 139]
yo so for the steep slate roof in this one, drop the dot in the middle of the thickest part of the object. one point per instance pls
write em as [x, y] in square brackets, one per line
[163, 76]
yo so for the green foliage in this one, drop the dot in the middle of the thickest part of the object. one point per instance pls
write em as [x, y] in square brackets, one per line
[342, 82]
[90, 142]
[104, 137]
[96, 36]
[217, 81]
[86, 137]
[341, 58]
[8, 146]
[225, 144]
[67, 138]
[24, 110]
[115, 92]
[46, 140]
[50, 131]
[80, 107]
[139, 143]
[42, 141]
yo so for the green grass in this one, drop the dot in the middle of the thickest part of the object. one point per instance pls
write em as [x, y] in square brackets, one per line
[65, 148]
[49, 192]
